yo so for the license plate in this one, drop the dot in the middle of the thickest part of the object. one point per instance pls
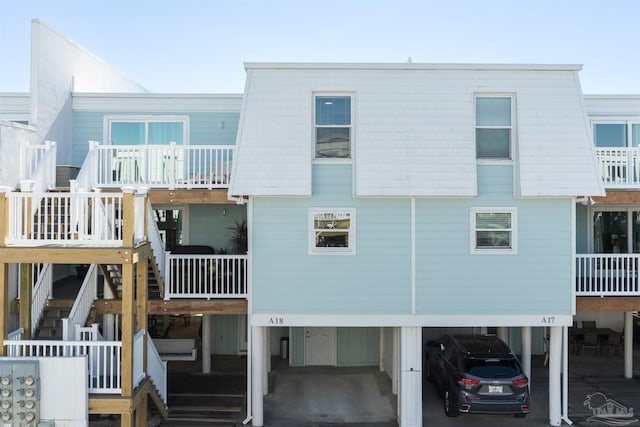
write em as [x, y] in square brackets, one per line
[495, 389]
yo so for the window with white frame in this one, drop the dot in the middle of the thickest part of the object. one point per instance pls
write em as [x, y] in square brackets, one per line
[333, 133]
[494, 127]
[618, 134]
[147, 130]
[332, 231]
[493, 230]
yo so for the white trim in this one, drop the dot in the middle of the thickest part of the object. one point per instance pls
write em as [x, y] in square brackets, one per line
[409, 66]
[397, 320]
[574, 227]
[474, 250]
[311, 237]
[351, 127]
[512, 128]
[146, 119]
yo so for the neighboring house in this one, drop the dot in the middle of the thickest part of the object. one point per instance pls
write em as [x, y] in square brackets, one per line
[384, 205]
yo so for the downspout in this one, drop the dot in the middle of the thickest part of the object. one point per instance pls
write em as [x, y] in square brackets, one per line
[249, 310]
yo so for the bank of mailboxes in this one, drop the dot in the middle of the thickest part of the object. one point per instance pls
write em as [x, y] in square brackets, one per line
[19, 393]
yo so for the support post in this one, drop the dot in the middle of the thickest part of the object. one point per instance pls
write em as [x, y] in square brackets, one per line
[257, 362]
[4, 304]
[381, 351]
[526, 351]
[410, 396]
[128, 216]
[206, 344]
[395, 362]
[628, 344]
[26, 294]
[265, 369]
[142, 275]
[555, 363]
[127, 329]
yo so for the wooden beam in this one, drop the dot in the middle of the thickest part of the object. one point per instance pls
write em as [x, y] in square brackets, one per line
[193, 196]
[186, 307]
[127, 327]
[607, 304]
[75, 255]
[26, 291]
[4, 303]
[110, 405]
[618, 198]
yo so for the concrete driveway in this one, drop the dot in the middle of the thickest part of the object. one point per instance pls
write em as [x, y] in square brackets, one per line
[359, 397]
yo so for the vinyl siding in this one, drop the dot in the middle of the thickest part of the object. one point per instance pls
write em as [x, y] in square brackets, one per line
[288, 280]
[413, 130]
[535, 280]
[377, 280]
[358, 346]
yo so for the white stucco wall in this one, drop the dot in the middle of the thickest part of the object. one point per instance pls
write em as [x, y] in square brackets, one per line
[58, 68]
[13, 138]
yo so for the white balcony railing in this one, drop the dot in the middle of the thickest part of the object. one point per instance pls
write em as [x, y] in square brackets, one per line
[40, 165]
[607, 275]
[620, 167]
[156, 166]
[42, 291]
[104, 358]
[157, 369]
[205, 276]
[82, 305]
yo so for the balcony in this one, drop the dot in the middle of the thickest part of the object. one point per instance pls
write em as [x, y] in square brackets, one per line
[607, 275]
[619, 167]
[156, 166]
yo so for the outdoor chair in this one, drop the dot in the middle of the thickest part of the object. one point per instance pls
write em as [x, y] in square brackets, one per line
[590, 342]
[589, 324]
[613, 345]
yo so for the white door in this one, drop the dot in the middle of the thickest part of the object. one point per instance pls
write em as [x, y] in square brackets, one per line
[320, 346]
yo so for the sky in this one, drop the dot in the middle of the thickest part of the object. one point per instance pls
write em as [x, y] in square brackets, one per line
[200, 46]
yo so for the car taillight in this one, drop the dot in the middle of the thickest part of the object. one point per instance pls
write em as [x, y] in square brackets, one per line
[522, 382]
[468, 382]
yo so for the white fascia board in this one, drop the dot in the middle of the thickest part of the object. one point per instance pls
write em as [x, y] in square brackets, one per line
[425, 320]
[410, 66]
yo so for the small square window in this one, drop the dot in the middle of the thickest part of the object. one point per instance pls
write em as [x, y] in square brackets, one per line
[493, 127]
[333, 127]
[332, 231]
[493, 230]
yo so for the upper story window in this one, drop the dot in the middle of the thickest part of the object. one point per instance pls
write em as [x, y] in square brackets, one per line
[332, 231]
[494, 131]
[493, 230]
[333, 127]
[616, 135]
[143, 130]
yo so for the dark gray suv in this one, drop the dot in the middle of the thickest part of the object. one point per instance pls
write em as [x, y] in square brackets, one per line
[477, 374]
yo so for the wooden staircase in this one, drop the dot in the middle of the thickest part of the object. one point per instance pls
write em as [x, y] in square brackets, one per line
[50, 326]
[113, 279]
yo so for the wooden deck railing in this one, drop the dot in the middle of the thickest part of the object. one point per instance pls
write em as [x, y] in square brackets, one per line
[607, 275]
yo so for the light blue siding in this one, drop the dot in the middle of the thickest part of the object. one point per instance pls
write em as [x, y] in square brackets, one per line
[288, 280]
[582, 229]
[208, 226]
[204, 129]
[449, 279]
[537, 280]
[358, 346]
[224, 334]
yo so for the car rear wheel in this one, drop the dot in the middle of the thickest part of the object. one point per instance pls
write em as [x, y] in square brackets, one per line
[450, 406]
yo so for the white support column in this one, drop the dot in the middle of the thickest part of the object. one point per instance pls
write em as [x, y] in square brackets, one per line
[628, 344]
[381, 351]
[395, 362]
[108, 320]
[526, 351]
[555, 363]
[410, 396]
[503, 333]
[257, 364]
[267, 357]
[206, 343]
